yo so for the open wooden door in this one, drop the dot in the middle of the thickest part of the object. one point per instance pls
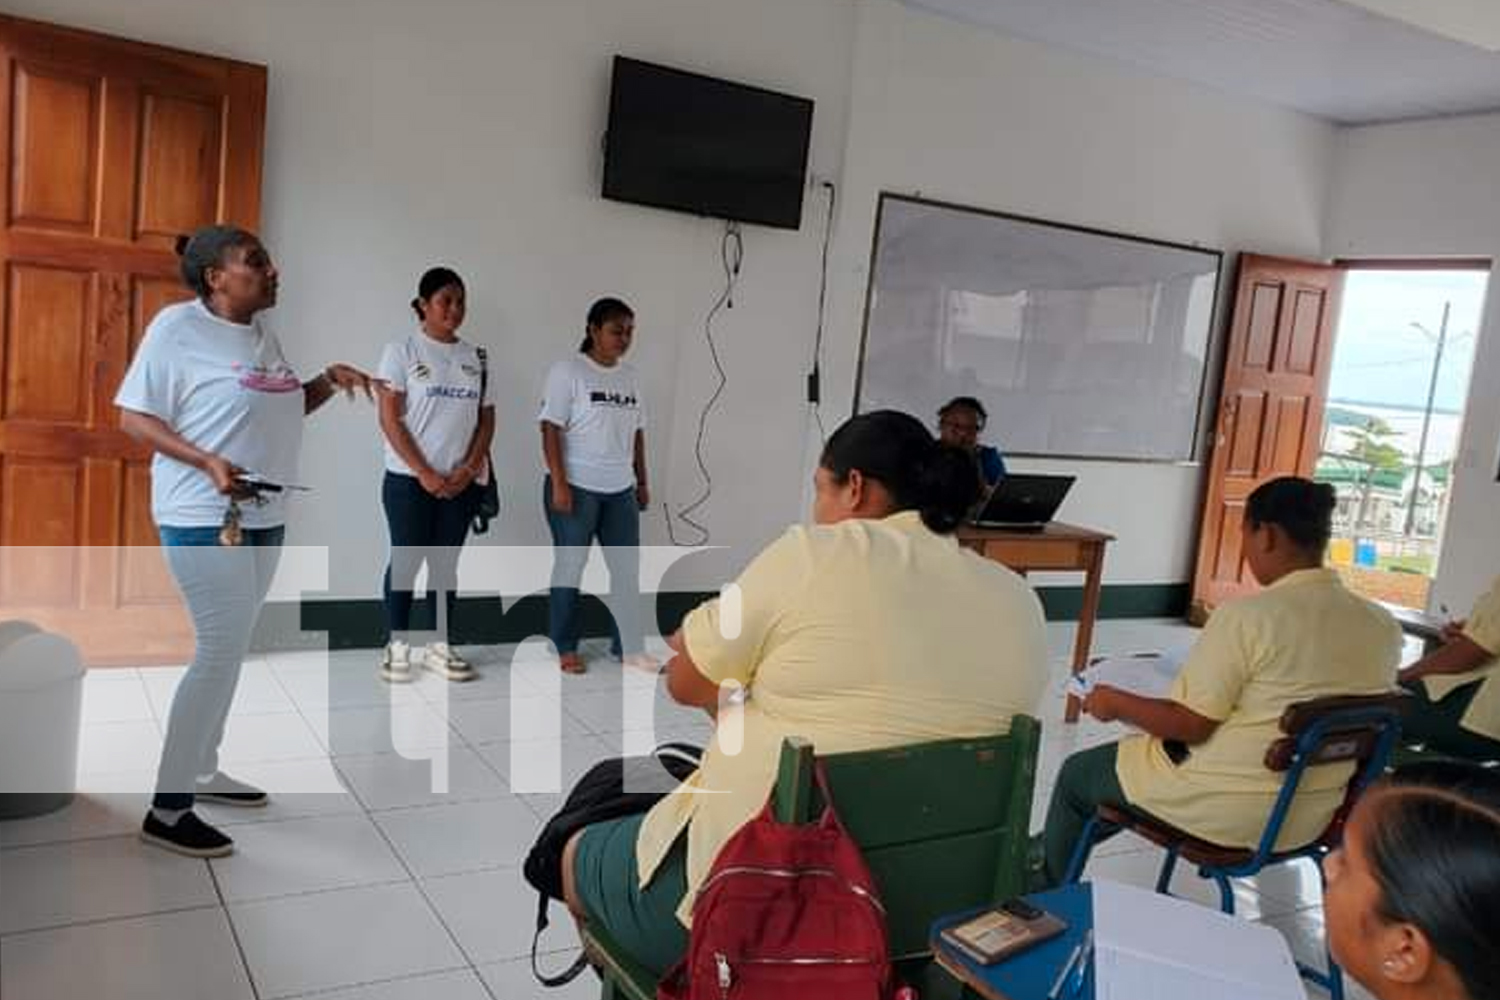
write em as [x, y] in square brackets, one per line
[1271, 403]
[112, 149]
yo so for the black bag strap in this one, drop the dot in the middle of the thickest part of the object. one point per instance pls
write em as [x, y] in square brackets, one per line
[569, 974]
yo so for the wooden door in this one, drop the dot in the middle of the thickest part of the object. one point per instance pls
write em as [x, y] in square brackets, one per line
[112, 149]
[1270, 407]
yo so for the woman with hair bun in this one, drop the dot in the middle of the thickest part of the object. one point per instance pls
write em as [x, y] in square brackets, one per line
[1412, 901]
[871, 628]
[1198, 764]
[438, 419]
[211, 393]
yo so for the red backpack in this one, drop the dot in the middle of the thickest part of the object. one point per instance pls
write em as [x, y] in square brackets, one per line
[786, 912]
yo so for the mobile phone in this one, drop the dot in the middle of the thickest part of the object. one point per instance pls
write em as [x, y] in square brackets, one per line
[1022, 909]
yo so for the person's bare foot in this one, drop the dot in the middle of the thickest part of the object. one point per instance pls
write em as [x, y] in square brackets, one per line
[644, 662]
[572, 663]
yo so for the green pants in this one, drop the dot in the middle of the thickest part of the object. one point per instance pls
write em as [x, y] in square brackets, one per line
[1086, 782]
[1438, 725]
[642, 921]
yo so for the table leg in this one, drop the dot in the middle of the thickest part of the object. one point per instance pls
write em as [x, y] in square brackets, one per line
[1093, 584]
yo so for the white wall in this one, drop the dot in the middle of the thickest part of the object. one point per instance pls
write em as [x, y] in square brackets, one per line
[962, 114]
[402, 134]
[467, 132]
[1428, 189]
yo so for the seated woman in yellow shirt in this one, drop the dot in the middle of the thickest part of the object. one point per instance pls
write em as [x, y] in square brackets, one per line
[1458, 687]
[1198, 762]
[871, 629]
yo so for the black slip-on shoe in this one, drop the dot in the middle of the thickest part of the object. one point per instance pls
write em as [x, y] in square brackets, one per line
[189, 836]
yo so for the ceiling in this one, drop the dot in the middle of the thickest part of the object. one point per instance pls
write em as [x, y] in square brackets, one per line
[1337, 59]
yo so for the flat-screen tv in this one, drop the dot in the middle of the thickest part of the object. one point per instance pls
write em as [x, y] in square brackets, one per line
[692, 143]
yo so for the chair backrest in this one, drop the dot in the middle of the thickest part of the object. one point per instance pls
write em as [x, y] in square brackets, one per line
[1357, 729]
[943, 826]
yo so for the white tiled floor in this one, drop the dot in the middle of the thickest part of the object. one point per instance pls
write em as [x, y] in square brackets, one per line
[363, 882]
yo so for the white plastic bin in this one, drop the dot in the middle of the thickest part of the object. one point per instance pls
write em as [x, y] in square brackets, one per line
[41, 705]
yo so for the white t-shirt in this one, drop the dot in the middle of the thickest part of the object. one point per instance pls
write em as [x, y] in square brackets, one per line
[441, 383]
[225, 388]
[599, 409]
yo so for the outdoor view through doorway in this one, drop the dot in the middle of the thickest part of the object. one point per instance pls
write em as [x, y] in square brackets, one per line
[1402, 358]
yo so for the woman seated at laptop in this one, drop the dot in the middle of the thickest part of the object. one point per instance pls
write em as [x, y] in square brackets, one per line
[1413, 893]
[960, 422]
[1198, 762]
[1458, 687]
[871, 629]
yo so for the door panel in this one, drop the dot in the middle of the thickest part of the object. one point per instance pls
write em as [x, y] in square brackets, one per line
[1244, 448]
[46, 345]
[115, 149]
[1275, 381]
[177, 188]
[54, 142]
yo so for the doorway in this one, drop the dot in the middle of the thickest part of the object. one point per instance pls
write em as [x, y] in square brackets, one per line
[1403, 355]
[116, 148]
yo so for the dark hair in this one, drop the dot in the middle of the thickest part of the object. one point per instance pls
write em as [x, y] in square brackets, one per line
[208, 247]
[434, 280]
[1432, 850]
[1300, 507]
[965, 403]
[895, 450]
[602, 312]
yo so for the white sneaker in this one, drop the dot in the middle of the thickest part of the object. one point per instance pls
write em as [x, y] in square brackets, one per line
[442, 659]
[395, 662]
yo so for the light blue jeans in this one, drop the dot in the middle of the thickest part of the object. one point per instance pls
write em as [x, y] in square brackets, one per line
[224, 589]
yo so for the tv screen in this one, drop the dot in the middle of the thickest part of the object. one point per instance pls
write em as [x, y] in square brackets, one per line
[696, 144]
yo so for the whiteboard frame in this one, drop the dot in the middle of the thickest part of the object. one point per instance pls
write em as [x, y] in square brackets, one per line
[1212, 356]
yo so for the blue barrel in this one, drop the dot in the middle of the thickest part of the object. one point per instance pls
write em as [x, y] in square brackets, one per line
[1364, 553]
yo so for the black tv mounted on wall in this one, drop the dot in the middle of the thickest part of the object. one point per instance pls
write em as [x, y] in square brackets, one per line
[696, 144]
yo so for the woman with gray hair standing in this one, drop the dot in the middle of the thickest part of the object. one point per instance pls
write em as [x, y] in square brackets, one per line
[211, 393]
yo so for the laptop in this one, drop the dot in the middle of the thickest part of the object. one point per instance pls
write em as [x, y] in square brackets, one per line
[1023, 501]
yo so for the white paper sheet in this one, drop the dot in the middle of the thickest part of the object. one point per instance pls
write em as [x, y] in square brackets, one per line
[1150, 675]
[1150, 945]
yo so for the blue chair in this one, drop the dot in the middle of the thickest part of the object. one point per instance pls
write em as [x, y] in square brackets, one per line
[1358, 729]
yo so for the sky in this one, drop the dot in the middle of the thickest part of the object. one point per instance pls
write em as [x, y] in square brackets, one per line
[1380, 358]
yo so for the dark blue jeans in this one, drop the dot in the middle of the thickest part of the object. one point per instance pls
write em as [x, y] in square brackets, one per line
[224, 589]
[615, 520]
[423, 527]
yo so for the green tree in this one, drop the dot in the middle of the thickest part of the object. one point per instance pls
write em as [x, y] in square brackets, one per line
[1370, 446]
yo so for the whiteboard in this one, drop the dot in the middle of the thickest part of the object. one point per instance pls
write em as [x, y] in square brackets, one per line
[1079, 343]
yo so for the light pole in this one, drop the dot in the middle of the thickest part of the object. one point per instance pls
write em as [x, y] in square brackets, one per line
[1437, 363]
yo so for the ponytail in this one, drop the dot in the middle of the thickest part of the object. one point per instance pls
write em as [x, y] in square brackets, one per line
[1431, 844]
[206, 248]
[894, 449]
[602, 312]
[434, 280]
[1301, 508]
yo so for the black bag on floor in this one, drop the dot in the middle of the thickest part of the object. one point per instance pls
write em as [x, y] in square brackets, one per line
[611, 789]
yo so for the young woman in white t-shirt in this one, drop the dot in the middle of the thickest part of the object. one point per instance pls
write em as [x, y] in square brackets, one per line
[594, 443]
[211, 393]
[438, 418]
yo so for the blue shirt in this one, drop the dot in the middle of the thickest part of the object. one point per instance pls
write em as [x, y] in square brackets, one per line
[991, 465]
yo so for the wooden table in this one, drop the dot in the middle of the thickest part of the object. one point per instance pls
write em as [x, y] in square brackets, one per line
[1057, 547]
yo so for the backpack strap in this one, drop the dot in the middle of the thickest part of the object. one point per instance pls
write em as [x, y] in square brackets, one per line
[566, 976]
